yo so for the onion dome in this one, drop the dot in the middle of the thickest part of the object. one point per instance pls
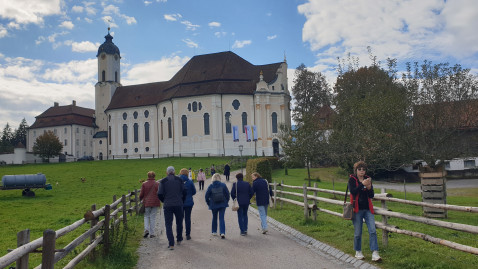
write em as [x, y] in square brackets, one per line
[108, 47]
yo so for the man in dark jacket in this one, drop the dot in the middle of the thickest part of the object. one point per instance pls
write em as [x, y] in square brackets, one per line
[242, 190]
[172, 193]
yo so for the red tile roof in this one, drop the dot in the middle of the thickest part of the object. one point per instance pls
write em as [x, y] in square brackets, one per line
[65, 115]
[217, 73]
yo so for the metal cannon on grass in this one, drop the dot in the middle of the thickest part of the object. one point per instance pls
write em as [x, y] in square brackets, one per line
[25, 182]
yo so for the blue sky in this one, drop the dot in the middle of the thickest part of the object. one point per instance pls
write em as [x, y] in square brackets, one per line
[48, 47]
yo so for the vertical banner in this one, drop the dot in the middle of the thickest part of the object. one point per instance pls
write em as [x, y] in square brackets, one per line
[254, 132]
[248, 133]
[235, 133]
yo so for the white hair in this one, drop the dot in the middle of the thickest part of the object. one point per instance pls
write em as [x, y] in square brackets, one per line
[170, 170]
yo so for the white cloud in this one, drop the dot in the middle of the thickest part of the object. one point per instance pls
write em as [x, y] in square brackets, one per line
[172, 17]
[77, 9]
[270, 37]
[26, 11]
[88, 20]
[214, 24]
[220, 34]
[14, 25]
[40, 40]
[84, 46]
[154, 71]
[190, 43]
[129, 20]
[89, 9]
[3, 31]
[147, 3]
[404, 30]
[240, 44]
[190, 26]
[111, 9]
[67, 25]
[108, 20]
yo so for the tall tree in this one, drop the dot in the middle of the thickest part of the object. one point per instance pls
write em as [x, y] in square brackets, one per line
[20, 135]
[311, 93]
[6, 140]
[372, 118]
[445, 110]
[47, 145]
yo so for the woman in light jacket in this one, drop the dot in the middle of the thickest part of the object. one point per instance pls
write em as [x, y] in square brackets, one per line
[201, 178]
[361, 194]
[217, 204]
[151, 204]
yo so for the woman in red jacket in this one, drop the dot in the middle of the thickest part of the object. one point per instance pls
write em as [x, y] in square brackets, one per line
[151, 204]
[361, 194]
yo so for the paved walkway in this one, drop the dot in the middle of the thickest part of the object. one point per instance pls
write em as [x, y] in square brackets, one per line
[281, 247]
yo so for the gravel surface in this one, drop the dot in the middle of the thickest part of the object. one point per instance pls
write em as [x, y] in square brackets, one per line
[281, 247]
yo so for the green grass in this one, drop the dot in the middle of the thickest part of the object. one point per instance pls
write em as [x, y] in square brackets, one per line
[402, 251]
[70, 198]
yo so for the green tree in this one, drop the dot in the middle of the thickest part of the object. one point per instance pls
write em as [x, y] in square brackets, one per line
[445, 108]
[306, 141]
[47, 145]
[20, 135]
[372, 118]
[6, 140]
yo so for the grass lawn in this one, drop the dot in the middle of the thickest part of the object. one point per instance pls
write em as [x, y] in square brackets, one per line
[70, 198]
[402, 251]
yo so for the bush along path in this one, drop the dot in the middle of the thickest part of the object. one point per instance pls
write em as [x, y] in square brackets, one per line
[281, 247]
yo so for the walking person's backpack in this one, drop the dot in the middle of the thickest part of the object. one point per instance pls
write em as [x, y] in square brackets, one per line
[217, 194]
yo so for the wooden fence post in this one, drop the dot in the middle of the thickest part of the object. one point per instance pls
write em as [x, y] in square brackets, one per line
[315, 202]
[275, 194]
[281, 194]
[384, 221]
[125, 221]
[23, 237]
[306, 203]
[106, 231]
[48, 252]
[93, 222]
[115, 217]
[136, 202]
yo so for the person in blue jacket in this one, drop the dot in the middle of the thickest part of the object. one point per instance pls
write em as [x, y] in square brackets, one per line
[261, 188]
[217, 198]
[189, 201]
[243, 191]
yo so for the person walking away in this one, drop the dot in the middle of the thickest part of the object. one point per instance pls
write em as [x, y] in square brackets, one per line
[172, 193]
[190, 174]
[188, 202]
[213, 170]
[361, 194]
[227, 171]
[217, 198]
[242, 190]
[262, 191]
[151, 204]
[201, 179]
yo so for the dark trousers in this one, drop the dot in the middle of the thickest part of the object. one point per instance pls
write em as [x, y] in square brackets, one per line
[242, 217]
[222, 224]
[227, 176]
[187, 218]
[201, 185]
[177, 211]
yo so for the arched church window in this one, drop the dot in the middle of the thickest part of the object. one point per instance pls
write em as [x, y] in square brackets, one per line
[125, 133]
[125, 150]
[236, 104]
[135, 149]
[184, 122]
[162, 130]
[200, 106]
[146, 113]
[135, 133]
[189, 106]
[195, 106]
[135, 115]
[170, 130]
[103, 75]
[125, 116]
[116, 76]
[146, 132]
[282, 86]
[227, 120]
[244, 121]
[164, 111]
[206, 123]
[109, 135]
[274, 122]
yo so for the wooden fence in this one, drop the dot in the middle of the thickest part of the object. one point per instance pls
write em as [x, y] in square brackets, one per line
[113, 215]
[312, 208]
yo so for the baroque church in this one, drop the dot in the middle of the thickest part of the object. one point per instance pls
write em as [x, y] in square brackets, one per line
[216, 105]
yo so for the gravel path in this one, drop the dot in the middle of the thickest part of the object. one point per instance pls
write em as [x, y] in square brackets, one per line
[281, 247]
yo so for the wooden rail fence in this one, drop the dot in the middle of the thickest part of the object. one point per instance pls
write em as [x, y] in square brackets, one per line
[312, 208]
[113, 215]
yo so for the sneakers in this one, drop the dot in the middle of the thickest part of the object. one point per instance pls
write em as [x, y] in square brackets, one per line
[146, 233]
[152, 236]
[223, 236]
[359, 255]
[375, 256]
[264, 231]
[171, 247]
[188, 237]
[243, 234]
[214, 234]
[178, 242]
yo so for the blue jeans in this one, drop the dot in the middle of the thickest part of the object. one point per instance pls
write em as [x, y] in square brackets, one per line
[222, 224]
[242, 217]
[187, 218]
[263, 214]
[372, 232]
[177, 211]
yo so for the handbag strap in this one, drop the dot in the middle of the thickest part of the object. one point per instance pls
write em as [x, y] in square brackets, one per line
[346, 192]
[152, 187]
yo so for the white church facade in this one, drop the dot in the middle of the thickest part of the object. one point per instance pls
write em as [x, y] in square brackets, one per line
[195, 113]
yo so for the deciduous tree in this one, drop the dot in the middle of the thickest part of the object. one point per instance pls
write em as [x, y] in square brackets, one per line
[47, 145]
